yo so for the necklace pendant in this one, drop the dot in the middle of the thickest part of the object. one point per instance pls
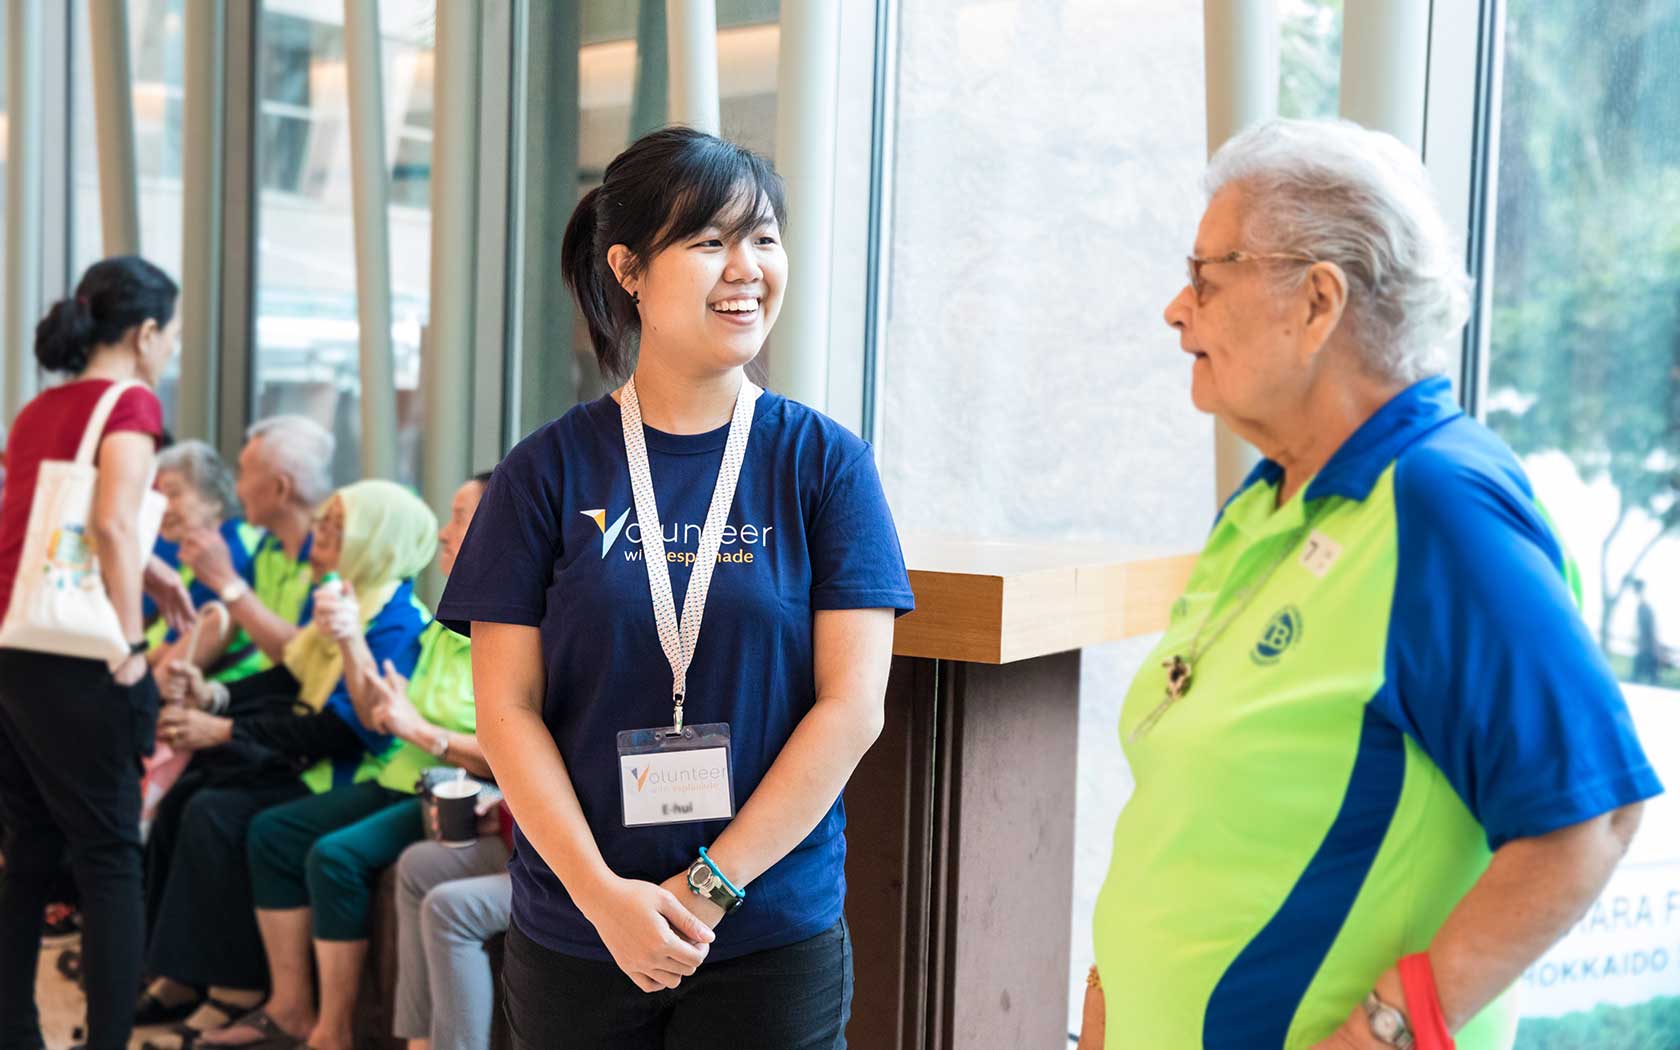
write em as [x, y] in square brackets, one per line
[1178, 677]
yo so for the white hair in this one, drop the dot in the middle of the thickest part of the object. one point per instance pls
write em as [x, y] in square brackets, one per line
[200, 467]
[301, 449]
[1333, 191]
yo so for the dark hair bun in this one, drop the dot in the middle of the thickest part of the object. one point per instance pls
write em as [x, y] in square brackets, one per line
[112, 297]
[64, 338]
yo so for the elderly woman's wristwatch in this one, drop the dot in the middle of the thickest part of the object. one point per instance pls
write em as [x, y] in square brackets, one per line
[1387, 1023]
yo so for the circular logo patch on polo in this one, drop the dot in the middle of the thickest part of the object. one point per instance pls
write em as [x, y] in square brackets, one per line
[1282, 631]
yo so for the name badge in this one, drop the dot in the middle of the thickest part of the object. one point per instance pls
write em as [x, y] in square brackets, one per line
[1320, 554]
[668, 776]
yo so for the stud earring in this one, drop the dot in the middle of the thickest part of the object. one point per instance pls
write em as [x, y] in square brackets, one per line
[636, 297]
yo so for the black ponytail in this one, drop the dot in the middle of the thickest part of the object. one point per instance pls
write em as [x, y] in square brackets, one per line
[667, 186]
[607, 308]
[114, 296]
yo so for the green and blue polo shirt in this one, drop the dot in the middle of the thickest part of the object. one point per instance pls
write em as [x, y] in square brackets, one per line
[1408, 690]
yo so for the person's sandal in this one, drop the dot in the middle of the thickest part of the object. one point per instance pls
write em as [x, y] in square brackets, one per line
[231, 1014]
[272, 1037]
[150, 1010]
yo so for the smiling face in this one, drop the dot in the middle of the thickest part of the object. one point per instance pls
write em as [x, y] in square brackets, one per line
[187, 509]
[461, 511]
[709, 300]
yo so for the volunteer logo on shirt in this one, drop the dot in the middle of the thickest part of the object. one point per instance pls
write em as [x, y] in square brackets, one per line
[734, 546]
[1282, 631]
[608, 536]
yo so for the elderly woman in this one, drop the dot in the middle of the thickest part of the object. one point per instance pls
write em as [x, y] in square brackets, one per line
[1380, 763]
[255, 747]
[200, 490]
[314, 862]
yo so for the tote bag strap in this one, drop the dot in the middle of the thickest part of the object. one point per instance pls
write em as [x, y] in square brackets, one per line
[101, 414]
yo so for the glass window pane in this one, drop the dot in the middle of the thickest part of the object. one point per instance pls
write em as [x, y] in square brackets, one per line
[156, 66]
[748, 41]
[1584, 382]
[1309, 58]
[158, 63]
[307, 357]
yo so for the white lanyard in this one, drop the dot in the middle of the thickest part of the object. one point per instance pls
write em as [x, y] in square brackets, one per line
[679, 639]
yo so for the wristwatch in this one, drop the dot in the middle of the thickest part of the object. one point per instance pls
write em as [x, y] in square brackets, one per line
[706, 881]
[1387, 1023]
[233, 591]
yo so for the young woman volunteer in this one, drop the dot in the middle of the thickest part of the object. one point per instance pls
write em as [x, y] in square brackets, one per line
[72, 732]
[678, 878]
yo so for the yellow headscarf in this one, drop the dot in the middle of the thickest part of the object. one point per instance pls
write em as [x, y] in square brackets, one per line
[390, 535]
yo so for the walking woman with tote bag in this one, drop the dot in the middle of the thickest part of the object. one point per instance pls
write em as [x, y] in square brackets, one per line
[74, 728]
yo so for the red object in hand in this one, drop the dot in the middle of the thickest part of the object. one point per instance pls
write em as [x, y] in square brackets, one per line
[1423, 1004]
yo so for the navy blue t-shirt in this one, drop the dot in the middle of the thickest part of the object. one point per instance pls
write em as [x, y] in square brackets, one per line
[555, 544]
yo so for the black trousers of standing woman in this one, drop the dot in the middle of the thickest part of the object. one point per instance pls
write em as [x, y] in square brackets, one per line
[793, 998]
[71, 743]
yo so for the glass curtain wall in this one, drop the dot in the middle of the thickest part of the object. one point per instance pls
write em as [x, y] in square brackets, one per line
[1046, 189]
[307, 330]
[622, 81]
[156, 66]
[1309, 58]
[1584, 381]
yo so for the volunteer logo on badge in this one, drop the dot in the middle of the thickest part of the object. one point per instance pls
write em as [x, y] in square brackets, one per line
[1282, 631]
[640, 775]
[609, 536]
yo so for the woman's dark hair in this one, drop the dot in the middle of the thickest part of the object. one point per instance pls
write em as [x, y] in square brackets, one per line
[483, 477]
[114, 295]
[668, 185]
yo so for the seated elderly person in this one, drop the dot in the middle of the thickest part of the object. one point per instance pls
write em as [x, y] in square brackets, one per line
[314, 862]
[284, 476]
[200, 492]
[256, 750]
[1380, 763]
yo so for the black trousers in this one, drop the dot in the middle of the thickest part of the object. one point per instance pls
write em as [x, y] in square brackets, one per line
[793, 998]
[71, 743]
[200, 917]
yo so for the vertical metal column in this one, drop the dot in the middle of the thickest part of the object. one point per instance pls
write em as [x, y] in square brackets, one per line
[807, 87]
[236, 337]
[541, 383]
[113, 111]
[204, 43]
[446, 368]
[1241, 42]
[492, 316]
[1385, 66]
[692, 25]
[24, 178]
[369, 184]
[650, 95]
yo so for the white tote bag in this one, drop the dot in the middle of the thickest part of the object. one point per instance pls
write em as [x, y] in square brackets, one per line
[59, 604]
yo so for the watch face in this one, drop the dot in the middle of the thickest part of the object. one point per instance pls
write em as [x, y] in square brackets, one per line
[1385, 1025]
[700, 877]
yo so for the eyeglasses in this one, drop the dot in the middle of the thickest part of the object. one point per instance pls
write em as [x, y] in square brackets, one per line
[1194, 263]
